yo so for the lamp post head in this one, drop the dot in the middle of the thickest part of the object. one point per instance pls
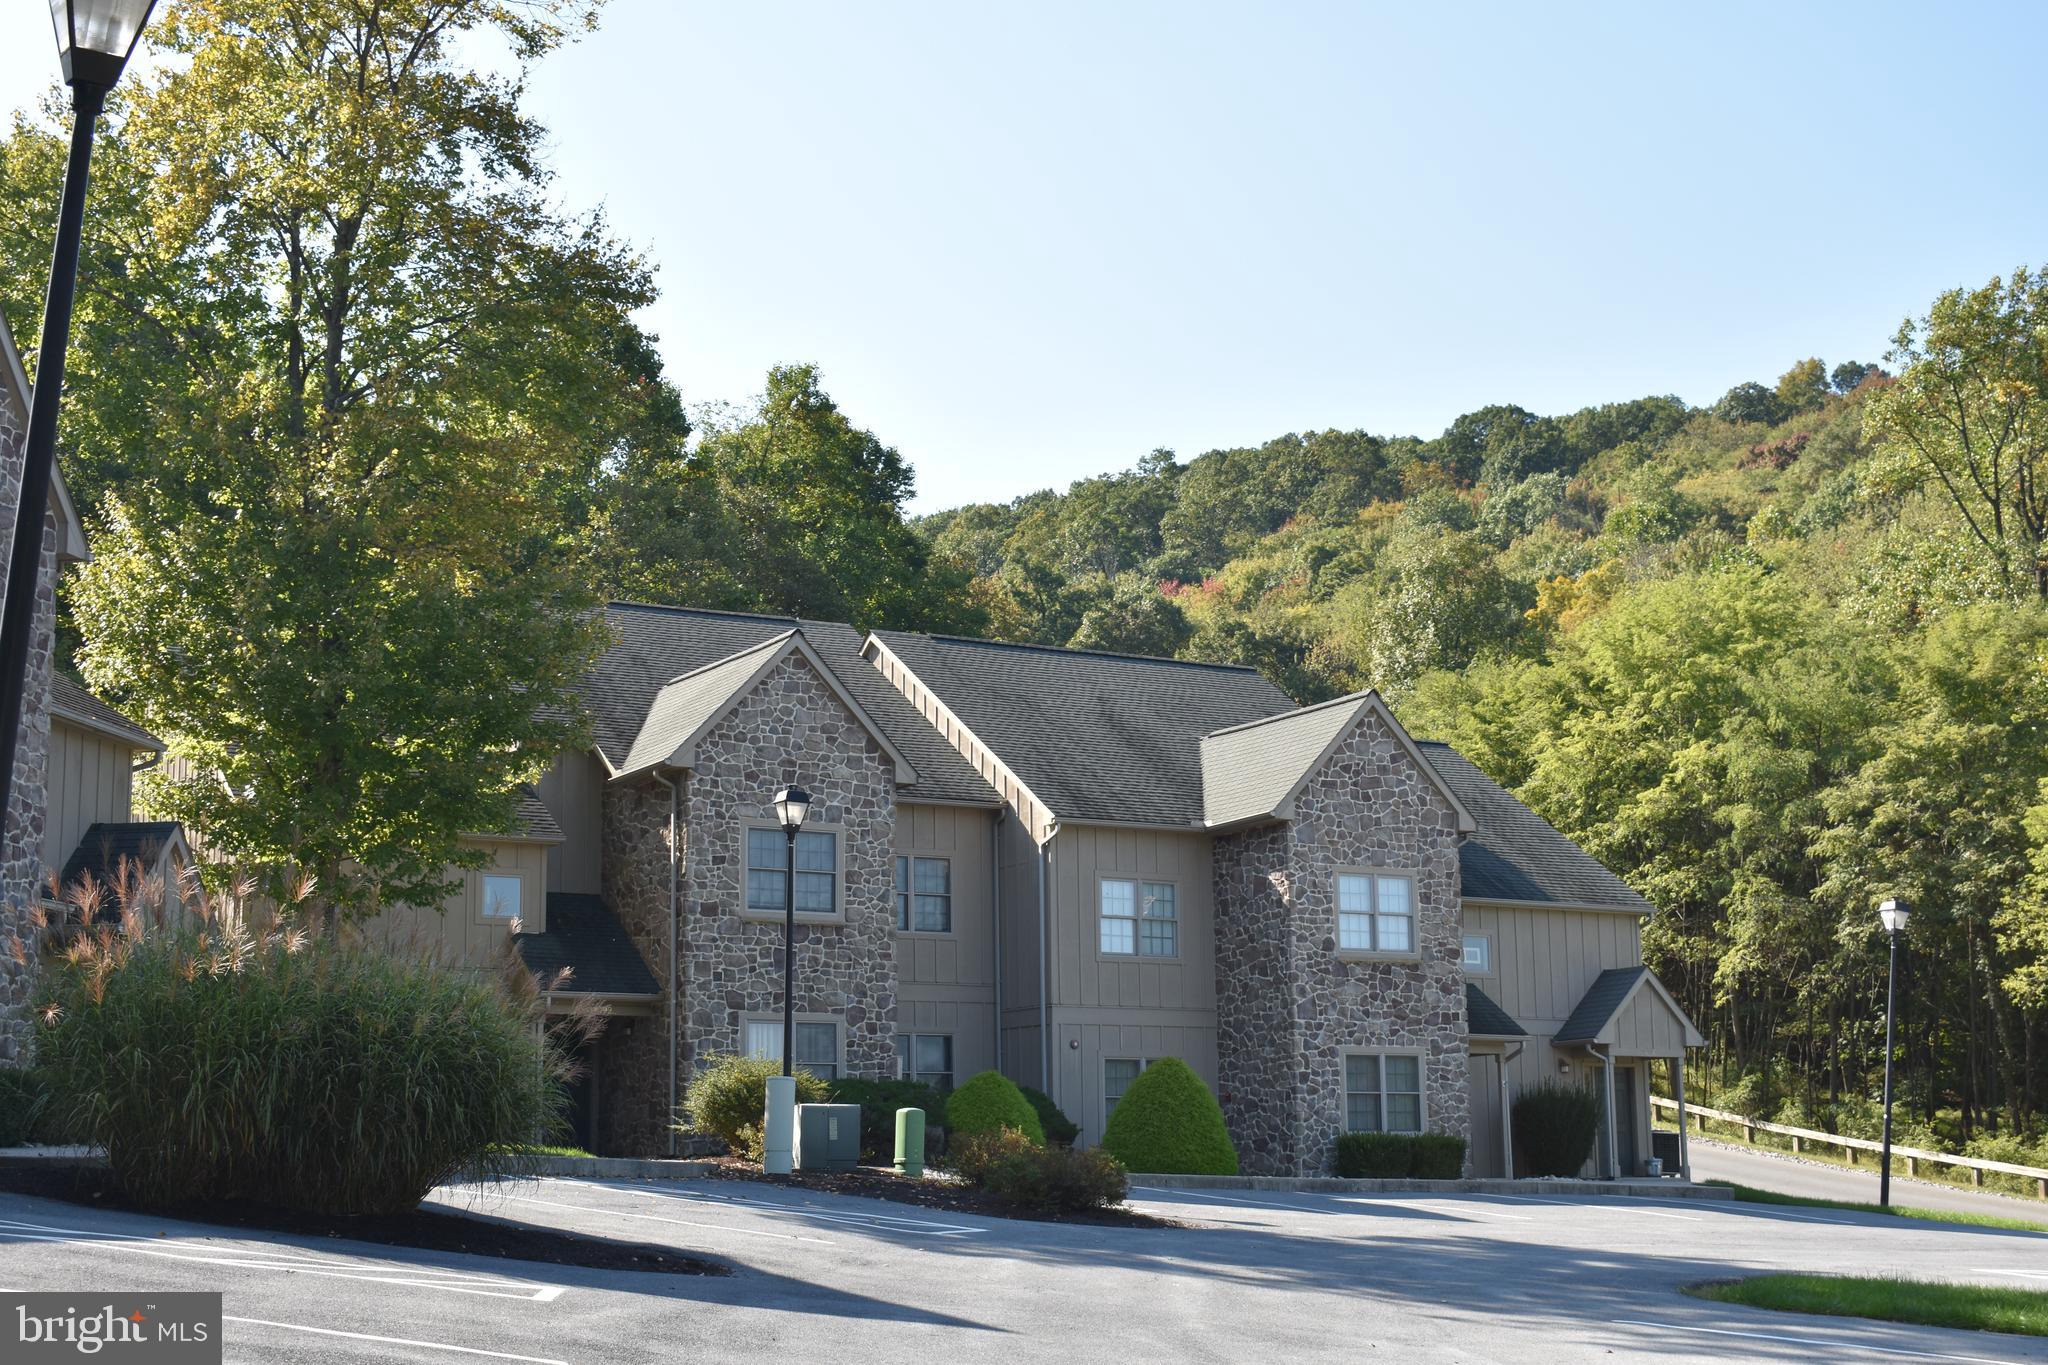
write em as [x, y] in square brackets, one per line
[792, 807]
[95, 38]
[1894, 914]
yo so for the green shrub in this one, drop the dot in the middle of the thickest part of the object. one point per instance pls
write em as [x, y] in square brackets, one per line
[1167, 1123]
[879, 1101]
[1375, 1156]
[302, 1070]
[23, 1098]
[990, 1101]
[1438, 1156]
[1059, 1179]
[1554, 1127]
[1060, 1130]
[727, 1097]
[974, 1156]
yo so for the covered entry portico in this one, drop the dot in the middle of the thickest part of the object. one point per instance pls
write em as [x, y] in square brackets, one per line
[1625, 1021]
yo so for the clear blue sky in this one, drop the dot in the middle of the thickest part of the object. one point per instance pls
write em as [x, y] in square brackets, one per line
[1029, 242]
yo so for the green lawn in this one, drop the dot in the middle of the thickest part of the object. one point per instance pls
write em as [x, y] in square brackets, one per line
[1750, 1195]
[1979, 1307]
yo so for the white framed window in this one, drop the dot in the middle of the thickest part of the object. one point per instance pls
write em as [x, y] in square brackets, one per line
[817, 1045]
[1117, 1075]
[926, 1057]
[924, 895]
[1375, 913]
[1478, 954]
[1139, 919]
[501, 895]
[817, 871]
[1383, 1092]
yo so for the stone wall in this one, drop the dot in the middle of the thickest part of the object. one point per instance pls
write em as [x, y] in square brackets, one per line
[792, 728]
[633, 1109]
[1369, 806]
[21, 843]
[1256, 1037]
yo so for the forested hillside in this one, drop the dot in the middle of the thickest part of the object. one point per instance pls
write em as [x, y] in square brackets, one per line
[1772, 660]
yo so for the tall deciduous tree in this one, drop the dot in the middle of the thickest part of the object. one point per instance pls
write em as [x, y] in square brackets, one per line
[1970, 411]
[338, 557]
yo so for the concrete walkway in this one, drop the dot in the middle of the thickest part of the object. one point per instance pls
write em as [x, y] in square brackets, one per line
[1784, 1174]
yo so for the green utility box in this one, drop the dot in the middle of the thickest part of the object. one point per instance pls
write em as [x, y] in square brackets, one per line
[910, 1141]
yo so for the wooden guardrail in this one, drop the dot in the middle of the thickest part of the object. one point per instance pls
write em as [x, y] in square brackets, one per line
[1976, 1166]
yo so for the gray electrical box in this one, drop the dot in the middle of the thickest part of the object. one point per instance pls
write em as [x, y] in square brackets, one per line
[827, 1137]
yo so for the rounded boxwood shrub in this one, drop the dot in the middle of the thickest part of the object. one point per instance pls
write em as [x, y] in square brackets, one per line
[308, 1069]
[1060, 1130]
[990, 1101]
[1375, 1156]
[728, 1096]
[1168, 1123]
[1555, 1126]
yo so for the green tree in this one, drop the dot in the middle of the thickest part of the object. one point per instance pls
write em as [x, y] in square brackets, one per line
[1749, 402]
[1803, 388]
[335, 566]
[1969, 411]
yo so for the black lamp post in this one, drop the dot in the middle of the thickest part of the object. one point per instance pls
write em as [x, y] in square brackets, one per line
[94, 41]
[1894, 914]
[792, 805]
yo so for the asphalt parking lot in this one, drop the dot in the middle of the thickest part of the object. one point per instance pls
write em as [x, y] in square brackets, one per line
[1251, 1276]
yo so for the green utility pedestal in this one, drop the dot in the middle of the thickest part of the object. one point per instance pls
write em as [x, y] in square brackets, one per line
[910, 1141]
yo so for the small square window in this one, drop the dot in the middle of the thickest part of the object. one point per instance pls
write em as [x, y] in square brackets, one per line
[1478, 954]
[501, 895]
[1139, 919]
[1375, 914]
[816, 857]
[1383, 1094]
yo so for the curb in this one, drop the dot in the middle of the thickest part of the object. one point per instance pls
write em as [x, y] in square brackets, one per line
[619, 1167]
[1327, 1184]
[24, 1158]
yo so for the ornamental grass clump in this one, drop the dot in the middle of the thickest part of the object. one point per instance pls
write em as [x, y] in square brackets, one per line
[219, 1054]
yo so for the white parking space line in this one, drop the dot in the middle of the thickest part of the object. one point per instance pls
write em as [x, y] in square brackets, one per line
[1218, 1194]
[1742, 1210]
[1998, 1270]
[1833, 1343]
[289, 1259]
[395, 1341]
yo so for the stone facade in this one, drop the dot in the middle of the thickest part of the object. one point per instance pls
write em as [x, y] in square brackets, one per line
[633, 1108]
[1289, 1004]
[791, 728]
[21, 844]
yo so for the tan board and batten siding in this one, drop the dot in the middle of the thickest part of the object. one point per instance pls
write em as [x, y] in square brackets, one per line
[946, 981]
[92, 779]
[573, 792]
[460, 927]
[1111, 1005]
[1544, 960]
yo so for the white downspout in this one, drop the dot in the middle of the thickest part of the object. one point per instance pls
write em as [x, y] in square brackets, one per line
[1507, 1127]
[674, 880]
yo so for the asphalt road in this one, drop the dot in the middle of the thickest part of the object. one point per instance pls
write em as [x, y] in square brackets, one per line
[1813, 1180]
[1251, 1277]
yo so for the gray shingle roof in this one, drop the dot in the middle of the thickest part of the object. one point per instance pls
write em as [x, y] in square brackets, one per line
[1094, 736]
[584, 936]
[1601, 1000]
[654, 645]
[535, 821]
[1485, 1019]
[72, 701]
[1515, 854]
[683, 705]
[105, 847]
[1249, 770]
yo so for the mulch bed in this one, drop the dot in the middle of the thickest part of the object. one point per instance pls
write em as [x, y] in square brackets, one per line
[882, 1182]
[424, 1229]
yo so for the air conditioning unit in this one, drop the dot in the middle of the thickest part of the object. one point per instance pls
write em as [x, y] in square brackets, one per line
[827, 1137]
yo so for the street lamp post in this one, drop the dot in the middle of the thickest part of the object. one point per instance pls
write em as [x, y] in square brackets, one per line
[94, 41]
[1894, 915]
[792, 806]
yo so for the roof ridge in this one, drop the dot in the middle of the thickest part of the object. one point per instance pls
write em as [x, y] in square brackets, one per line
[736, 654]
[1354, 698]
[1068, 649]
[674, 609]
